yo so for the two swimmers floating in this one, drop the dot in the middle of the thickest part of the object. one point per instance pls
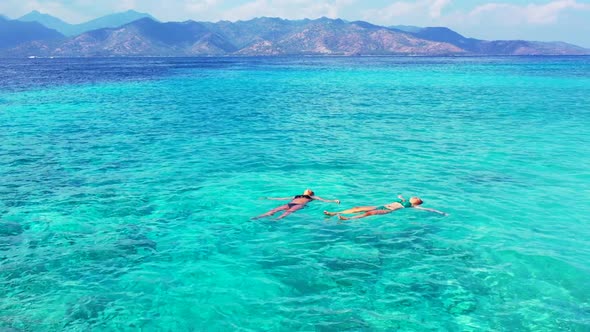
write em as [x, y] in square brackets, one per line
[298, 202]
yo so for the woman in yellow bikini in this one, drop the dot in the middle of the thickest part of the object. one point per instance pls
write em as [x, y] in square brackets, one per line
[401, 203]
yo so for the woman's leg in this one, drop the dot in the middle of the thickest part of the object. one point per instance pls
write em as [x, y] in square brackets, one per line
[291, 210]
[369, 213]
[356, 209]
[273, 211]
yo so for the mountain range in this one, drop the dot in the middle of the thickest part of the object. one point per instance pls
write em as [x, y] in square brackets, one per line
[141, 35]
[14, 33]
[109, 21]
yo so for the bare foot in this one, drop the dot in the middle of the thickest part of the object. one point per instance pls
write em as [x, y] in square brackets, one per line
[330, 213]
[342, 217]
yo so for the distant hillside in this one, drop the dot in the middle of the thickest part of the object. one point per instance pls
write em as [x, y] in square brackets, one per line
[112, 21]
[523, 47]
[14, 33]
[448, 36]
[262, 36]
[109, 21]
[495, 47]
[144, 37]
[406, 28]
[274, 36]
[48, 21]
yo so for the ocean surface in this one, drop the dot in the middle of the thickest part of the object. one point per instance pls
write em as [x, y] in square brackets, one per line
[127, 188]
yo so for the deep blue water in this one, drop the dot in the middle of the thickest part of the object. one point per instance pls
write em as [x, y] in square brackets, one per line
[127, 188]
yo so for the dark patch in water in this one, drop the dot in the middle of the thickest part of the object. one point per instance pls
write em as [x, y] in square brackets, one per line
[277, 261]
[86, 309]
[100, 254]
[351, 265]
[131, 245]
[458, 301]
[326, 320]
[7, 242]
[133, 238]
[304, 280]
[8, 228]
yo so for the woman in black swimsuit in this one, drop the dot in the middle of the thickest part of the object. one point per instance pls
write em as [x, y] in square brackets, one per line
[297, 203]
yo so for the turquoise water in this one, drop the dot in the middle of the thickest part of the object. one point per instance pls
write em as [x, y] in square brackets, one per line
[127, 186]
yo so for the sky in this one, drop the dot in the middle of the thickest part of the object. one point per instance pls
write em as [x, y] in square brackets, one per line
[543, 20]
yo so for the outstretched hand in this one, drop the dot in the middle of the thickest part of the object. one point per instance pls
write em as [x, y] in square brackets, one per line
[439, 212]
[337, 201]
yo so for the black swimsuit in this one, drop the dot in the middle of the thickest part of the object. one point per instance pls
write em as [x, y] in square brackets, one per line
[290, 205]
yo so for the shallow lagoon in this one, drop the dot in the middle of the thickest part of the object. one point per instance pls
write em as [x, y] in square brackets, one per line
[128, 184]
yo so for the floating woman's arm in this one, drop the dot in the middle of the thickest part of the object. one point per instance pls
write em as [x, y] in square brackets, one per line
[431, 210]
[278, 198]
[337, 201]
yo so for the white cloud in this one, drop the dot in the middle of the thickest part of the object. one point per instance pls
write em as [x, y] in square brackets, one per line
[201, 6]
[532, 14]
[437, 6]
[125, 5]
[405, 10]
[289, 9]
